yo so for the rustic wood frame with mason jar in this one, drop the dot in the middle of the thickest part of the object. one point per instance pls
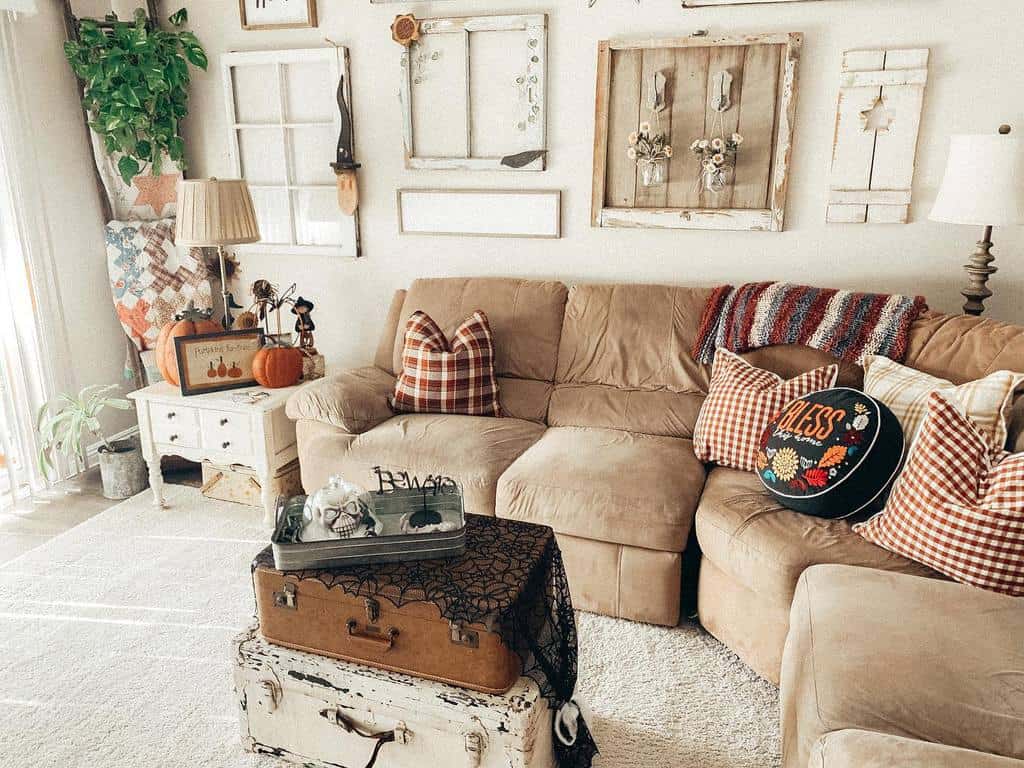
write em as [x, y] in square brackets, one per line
[763, 106]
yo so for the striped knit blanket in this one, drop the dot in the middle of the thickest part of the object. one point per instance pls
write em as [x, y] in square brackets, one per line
[845, 324]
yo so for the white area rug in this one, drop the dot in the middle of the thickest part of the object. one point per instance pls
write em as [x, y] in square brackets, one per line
[115, 637]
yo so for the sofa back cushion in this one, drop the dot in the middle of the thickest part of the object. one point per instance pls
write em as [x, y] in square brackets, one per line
[625, 363]
[962, 348]
[526, 321]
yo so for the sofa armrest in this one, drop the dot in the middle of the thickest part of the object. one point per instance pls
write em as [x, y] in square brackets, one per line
[355, 400]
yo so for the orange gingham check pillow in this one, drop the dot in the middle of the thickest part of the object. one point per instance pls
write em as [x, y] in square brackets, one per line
[438, 378]
[954, 507]
[741, 401]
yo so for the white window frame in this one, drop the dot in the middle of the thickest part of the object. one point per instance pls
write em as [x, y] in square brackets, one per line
[533, 26]
[338, 58]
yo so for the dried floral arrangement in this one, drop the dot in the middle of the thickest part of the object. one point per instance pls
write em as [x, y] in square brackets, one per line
[717, 160]
[649, 149]
[647, 145]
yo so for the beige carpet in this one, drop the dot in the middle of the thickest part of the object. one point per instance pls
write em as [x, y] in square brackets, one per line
[114, 651]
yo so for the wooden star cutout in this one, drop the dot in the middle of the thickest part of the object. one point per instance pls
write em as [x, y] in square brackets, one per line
[877, 118]
[156, 191]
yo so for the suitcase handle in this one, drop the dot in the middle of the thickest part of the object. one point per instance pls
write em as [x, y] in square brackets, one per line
[381, 737]
[384, 642]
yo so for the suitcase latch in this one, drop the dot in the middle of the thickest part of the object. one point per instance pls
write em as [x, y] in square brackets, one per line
[372, 610]
[271, 692]
[466, 637]
[286, 598]
[475, 744]
[402, 734]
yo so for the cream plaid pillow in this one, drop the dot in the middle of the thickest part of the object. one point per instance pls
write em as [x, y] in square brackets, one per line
[986, 402]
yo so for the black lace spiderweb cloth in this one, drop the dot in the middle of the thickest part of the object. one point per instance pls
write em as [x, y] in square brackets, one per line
[512, 580]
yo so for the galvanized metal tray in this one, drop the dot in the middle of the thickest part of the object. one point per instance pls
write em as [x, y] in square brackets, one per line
[389, 540]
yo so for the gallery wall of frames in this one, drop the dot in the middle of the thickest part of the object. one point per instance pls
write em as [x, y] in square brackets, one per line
[700, 142]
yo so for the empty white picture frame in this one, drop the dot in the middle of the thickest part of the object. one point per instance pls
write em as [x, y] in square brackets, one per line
[480, 212]
[474, 96]
[283, 124]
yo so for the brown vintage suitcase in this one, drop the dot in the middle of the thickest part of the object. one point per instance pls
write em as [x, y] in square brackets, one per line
[298, 610]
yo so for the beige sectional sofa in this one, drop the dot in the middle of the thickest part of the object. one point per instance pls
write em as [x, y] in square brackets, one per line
[601, 395]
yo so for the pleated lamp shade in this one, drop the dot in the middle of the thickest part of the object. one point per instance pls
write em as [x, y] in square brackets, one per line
[983, 183]
[215, 212]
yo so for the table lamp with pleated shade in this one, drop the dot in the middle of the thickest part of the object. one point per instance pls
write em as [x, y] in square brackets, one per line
[214, 213]
[983, 185]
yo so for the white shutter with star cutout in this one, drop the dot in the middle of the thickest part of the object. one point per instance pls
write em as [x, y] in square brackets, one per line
[875, 142]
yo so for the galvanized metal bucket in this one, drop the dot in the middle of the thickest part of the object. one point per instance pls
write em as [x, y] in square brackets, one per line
[123, 470]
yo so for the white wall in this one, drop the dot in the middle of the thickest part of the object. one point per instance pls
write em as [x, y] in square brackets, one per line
[975, 71]
[95, 338]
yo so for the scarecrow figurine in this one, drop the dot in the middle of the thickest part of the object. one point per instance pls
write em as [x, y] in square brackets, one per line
[304, 326]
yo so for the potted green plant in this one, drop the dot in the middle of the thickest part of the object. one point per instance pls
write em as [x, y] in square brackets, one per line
[136, 80]
[64, 420]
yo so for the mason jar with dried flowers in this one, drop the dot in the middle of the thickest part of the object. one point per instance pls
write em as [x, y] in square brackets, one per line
[649, 151]
[717, 160]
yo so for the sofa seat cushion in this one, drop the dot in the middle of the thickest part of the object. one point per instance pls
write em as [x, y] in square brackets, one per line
[898, 654]
[608, 485]
[473, 450]
[766, 547]
[851, 748]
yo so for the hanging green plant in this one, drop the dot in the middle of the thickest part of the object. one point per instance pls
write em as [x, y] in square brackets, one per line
[136, 87]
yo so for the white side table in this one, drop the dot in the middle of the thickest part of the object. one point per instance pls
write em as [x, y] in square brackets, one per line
[219, 427]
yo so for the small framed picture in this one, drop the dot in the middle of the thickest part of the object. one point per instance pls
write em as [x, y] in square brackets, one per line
[277, 14]
[212, 362]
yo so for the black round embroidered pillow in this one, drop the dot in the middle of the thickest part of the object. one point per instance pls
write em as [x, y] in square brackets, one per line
[832, 453]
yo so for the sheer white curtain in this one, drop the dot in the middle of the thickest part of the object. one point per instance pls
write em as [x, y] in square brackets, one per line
[27, 6]
[33, 342]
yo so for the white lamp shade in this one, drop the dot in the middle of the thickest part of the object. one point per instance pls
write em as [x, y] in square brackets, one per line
[215, 212]
[984, 181]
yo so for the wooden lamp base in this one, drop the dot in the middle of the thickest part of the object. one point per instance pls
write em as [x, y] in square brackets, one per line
[978, 269]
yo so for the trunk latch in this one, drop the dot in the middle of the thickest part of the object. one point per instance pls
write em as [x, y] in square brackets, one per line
[465, 637]
[286, 597]
[372, 610]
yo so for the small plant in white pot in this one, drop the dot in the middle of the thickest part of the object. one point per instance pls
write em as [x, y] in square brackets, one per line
[63, 422]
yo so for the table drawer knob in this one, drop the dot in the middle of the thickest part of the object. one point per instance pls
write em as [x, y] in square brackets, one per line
[171, 414]
[225, 444]
[223, 422]
[173, 438]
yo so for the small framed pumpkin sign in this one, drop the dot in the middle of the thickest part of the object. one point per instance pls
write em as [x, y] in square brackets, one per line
[213, 362]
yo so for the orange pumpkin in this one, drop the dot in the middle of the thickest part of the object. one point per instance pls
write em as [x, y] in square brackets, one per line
[234, 371]
[277, 366]
[188, 322]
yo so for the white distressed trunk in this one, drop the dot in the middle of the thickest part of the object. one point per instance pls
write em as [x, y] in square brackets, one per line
[288, 699]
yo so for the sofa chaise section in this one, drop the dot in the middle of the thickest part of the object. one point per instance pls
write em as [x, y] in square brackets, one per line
[853, 748]
[915, 658]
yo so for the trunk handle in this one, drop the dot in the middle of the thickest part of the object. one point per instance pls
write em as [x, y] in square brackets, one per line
[400, 733]
[385, 642]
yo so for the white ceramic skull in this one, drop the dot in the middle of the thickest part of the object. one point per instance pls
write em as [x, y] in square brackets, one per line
[336, 511]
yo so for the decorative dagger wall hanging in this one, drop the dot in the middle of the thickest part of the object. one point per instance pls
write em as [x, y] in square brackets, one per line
[345, 165]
